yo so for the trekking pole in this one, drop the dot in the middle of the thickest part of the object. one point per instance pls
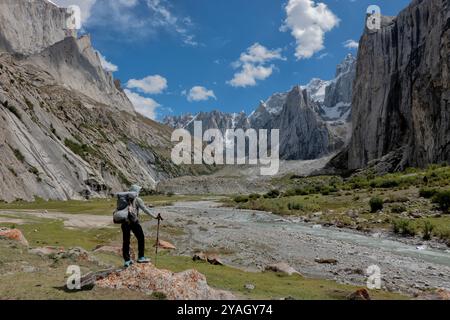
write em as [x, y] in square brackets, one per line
[157, 238]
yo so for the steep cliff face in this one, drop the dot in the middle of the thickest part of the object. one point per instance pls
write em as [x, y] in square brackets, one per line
[401, 100]
[57, 143]
[67, 131]
[75, 63]
[28, 27]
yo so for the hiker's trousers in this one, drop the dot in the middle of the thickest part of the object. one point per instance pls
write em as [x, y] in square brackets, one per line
[136, 228]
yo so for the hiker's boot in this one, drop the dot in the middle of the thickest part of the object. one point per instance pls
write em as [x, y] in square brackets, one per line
[128, 263]
[143, 260]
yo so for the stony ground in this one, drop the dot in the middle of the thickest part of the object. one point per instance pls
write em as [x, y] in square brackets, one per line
[253, 239]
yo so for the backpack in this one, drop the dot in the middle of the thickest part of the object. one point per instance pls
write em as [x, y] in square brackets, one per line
[125, 211]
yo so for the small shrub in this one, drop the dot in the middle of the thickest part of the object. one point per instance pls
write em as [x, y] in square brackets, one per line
[170, 194]
[442, 199]
[80, 149]
[295, 206]
[240, 199]
[272, 194]
[19, 155]
[398, 208]
[34, 171]
[427, 229]
[376, 204]
[159, 295]
[403, 227]
[254, 196]
[427, 193]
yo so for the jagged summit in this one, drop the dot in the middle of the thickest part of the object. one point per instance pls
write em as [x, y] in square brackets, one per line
[313, 118]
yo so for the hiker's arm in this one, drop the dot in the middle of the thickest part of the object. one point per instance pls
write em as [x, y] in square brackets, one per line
[143, 207]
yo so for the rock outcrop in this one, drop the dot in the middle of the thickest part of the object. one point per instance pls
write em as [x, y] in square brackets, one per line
[13, 234]
[401, 98]
[187, 285]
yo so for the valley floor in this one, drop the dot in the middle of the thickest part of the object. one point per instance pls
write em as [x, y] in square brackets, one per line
[245, 240]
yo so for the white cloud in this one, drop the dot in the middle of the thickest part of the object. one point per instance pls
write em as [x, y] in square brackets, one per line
[152, 84]
[126, 17]
[145, 106]
[308, 22]
[253, 65]
[199, 93]
[351, 44]
[108, 66]
[85, 6]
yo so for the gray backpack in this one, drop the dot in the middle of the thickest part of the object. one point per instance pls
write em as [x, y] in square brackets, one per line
[125, 211]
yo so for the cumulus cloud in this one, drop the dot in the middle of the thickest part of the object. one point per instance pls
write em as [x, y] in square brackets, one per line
[145, 106]
[85, 6]
[308, 22]
[351, 44]
[253, 65]
[152, 84]
[199, 93]
[108, 66]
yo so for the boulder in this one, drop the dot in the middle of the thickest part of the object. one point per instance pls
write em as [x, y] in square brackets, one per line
[13, 234]
[200, 256]
[360, 294]
[249, 286]
[214, 260]
[186, 285]
[165, 245]
[282, 267]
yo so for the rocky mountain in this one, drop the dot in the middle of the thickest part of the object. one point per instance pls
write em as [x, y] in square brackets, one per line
[67, 130]
[401, 98]
[313, 119]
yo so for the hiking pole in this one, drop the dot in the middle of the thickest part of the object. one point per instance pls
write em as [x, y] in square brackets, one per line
[157, 237]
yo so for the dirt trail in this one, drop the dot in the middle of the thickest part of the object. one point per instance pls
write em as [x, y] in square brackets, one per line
[256, 239]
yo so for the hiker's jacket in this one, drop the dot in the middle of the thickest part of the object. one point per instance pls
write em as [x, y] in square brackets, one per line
[139, 205]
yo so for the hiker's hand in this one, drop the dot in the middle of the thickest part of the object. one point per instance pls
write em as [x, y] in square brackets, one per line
[159, 217]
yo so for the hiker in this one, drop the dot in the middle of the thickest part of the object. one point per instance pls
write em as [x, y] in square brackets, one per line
[133, 204]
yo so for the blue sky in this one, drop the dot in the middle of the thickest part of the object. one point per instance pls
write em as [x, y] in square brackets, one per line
[180, 45]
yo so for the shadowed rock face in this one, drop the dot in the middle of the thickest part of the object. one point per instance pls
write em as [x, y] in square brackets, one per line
[401, 93]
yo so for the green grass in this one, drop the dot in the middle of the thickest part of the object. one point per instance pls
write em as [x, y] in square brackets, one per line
[47, 282]
[378, 200]
[93, 207]
[268, 285]
[53, 233]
